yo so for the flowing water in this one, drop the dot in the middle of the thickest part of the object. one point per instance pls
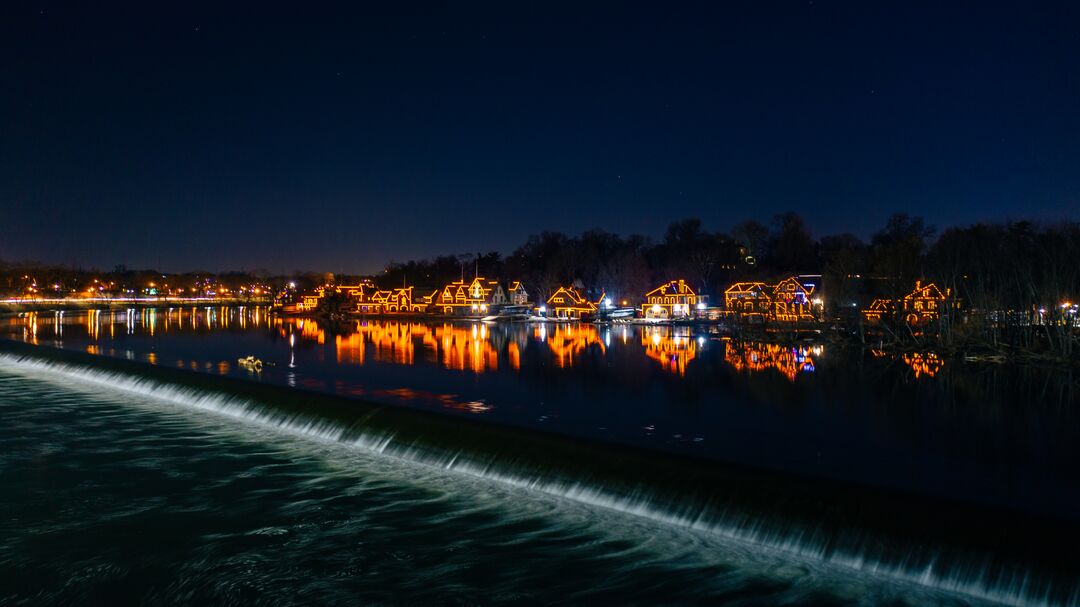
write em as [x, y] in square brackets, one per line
[128, 482]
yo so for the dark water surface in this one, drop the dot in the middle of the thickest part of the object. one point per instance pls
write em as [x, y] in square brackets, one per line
[117, 487]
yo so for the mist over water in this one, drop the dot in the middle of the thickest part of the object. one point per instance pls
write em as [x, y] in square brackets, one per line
[133, 487]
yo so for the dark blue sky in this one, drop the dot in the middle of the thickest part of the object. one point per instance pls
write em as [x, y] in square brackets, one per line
[340, 137]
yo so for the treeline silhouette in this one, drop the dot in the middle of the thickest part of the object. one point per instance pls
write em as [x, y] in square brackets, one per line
[1008, 280]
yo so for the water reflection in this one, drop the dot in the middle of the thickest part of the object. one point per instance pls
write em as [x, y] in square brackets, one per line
[755, 357]
[921, 364]
[30, 327]
[136, 321]
[479, 347]
[926, 364]
[672, 347]
[470, 346]
[473, 347]
[93, 324]
[568, 342]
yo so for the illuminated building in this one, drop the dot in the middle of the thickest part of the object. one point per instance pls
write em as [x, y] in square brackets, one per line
[377, 302]
[366, 298]
[673, 299]
[748, 299]
[878, 309]
[354, 293]
[401, 300]
[472, 299]
[919, 307]
[791, 301]
[568, 302]
[786, 301]
[923, 304]
[310, 302]
[518, 296]
[428, 300]
[390, 301]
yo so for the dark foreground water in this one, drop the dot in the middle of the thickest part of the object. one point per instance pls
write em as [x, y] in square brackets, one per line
[115, 496]
[125, 486]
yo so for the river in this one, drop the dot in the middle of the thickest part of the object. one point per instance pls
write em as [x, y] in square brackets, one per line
[393, 461]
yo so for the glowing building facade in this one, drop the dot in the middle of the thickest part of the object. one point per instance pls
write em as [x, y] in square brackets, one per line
[352, 293]
[568, 302]
[518, 295]
[791, 301]
[923, 305]
[474, 298]
[748, 299]
[673, 299]
[786, 301]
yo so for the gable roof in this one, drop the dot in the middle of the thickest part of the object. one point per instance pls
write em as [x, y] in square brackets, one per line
[880, 305]
[746, 287]
[672, 287]
[791, 285]
[571, 293]
[930, 290]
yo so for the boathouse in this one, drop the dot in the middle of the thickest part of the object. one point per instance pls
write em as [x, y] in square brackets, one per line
[568, 302]
[673, 299]
[470, 299]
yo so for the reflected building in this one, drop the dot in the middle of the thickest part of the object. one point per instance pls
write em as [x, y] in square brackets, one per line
[452, 346]
[390, 342]
[924, 364]
[464, 348]
[672, 347]
[756, 357]
[568, 342]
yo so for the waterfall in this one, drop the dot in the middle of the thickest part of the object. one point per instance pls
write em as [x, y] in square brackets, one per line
[386, 431]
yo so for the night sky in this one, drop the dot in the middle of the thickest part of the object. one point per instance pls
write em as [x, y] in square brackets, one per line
[339, 138]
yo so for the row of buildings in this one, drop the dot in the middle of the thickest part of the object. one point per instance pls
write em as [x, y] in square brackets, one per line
[792, 299]
[479, 297]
